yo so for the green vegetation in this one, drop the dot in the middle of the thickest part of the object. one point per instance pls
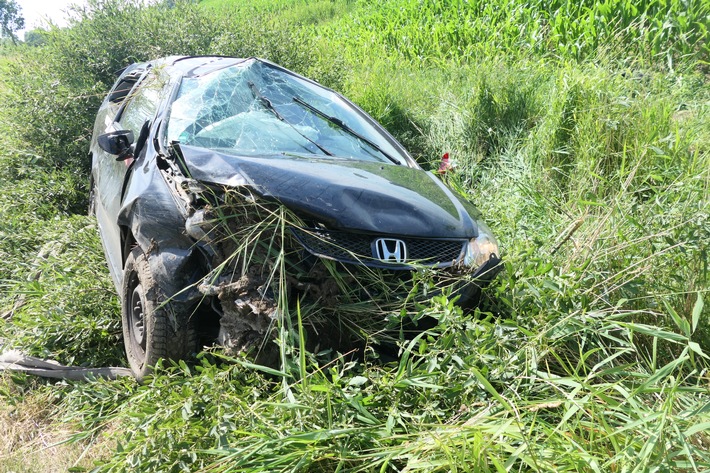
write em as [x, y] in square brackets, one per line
[581, 130]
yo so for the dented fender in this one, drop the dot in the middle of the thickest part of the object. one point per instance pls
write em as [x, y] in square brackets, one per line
[155, 216]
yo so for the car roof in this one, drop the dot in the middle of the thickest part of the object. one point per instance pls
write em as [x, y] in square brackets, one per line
[193, 66]
[190, 66]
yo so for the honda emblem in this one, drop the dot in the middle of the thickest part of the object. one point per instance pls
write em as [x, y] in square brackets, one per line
[390, 250]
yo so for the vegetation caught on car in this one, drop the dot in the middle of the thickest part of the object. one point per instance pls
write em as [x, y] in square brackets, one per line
[579, 130]
[219, 136]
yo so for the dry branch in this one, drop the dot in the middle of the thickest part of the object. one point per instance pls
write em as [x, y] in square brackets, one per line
[15, 361]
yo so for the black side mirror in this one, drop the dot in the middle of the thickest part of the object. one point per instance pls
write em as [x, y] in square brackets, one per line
[116, 142]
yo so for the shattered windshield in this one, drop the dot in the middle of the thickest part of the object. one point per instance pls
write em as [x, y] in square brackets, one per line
[254, 109]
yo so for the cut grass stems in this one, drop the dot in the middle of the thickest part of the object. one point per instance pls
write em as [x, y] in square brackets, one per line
[581, 129]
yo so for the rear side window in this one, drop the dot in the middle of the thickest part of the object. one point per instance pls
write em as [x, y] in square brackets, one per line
[121, 90]
[119, 93]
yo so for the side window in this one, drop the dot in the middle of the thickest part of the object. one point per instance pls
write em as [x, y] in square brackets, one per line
[118, 94]
[142, 104]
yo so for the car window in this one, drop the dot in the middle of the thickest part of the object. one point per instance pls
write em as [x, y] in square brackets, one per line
[142, 104]
[125, 85]
[254, 109]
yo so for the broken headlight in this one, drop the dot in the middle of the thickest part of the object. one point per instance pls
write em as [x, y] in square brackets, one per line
[480, 249]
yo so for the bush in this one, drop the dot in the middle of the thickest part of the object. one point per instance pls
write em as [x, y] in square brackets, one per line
[581, 132]
[54, 90]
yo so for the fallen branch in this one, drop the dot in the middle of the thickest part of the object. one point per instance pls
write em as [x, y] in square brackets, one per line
[568, 232]
[15, 361]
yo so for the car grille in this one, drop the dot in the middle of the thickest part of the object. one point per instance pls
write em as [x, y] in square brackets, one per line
[360, 248]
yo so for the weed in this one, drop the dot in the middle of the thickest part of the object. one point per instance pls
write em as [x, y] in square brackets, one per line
[580, 130]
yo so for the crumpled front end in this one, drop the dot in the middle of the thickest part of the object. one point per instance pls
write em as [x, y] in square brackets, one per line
[261, 271]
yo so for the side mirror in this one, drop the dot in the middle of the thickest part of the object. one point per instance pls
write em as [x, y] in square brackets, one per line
[116, 142]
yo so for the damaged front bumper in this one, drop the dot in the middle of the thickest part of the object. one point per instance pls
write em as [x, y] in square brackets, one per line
[469, 290]
[261, 257]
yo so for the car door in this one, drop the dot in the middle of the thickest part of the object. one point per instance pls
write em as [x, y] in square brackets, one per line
[139, 106]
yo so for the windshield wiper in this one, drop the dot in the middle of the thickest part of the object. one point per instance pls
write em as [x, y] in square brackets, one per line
[266, 103]
[343, 126]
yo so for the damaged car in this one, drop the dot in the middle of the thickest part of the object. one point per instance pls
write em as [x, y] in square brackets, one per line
[225, 189]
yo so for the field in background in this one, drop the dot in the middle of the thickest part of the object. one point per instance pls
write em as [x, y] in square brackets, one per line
[581, 130]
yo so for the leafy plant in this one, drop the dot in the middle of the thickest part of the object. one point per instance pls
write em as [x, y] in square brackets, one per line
[580, 129]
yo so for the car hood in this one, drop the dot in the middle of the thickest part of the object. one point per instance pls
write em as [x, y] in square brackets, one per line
[345, 194]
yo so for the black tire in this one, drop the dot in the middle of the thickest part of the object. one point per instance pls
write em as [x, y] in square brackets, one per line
[148, 332]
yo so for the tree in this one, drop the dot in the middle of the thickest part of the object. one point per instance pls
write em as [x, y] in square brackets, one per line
[35, 37]
[11, 19]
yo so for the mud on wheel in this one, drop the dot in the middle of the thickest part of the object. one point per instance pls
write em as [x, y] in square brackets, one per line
[148, 331]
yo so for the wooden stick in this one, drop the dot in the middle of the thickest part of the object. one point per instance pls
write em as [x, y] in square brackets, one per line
[16, 361]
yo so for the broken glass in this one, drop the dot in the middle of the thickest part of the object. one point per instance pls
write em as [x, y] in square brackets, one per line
[221, 111]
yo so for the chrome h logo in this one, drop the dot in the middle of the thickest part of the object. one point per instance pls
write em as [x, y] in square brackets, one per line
[390, 250]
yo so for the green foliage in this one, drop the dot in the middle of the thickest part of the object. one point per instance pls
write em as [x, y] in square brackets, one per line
[473, 394]
[424, 31]
[35, 37]
[65, 309]
[581, 130]
[79, 64]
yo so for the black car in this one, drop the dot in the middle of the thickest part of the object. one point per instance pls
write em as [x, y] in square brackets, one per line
[220, 184]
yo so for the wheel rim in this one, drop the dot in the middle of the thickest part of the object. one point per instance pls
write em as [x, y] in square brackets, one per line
[137, 317]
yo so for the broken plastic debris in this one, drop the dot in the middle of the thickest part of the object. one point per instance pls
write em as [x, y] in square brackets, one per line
[445, 165]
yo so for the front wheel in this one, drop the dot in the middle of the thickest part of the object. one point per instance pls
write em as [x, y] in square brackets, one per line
[148, 332]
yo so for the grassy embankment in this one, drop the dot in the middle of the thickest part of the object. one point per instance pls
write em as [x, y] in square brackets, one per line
[581, 131]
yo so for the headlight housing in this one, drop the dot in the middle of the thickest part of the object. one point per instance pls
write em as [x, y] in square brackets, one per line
[480, 249]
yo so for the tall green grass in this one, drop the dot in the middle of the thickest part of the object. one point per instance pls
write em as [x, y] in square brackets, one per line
[656, 32]
[582, 131]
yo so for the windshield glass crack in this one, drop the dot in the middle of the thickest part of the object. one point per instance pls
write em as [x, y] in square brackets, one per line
[257, 109]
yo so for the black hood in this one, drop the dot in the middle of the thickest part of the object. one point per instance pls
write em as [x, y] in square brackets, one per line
[345, 194]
